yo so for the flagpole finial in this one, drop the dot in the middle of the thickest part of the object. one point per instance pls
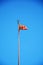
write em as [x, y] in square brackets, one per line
[18, 21]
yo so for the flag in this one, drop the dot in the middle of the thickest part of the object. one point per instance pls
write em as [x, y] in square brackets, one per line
[22, 27]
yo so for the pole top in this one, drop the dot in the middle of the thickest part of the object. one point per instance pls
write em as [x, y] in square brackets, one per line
[17, 21]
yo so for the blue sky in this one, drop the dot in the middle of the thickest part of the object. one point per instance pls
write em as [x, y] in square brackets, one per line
[30, 13]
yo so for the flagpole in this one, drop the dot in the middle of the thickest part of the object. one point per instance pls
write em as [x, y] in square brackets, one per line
[18, 44]
[20, 27]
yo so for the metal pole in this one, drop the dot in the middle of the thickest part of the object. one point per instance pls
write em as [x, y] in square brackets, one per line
[18, 44]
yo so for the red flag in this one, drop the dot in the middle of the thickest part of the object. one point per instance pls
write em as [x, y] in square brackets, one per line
[22, 27]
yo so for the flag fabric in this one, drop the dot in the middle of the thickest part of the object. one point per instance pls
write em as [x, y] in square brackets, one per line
[22, 27]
